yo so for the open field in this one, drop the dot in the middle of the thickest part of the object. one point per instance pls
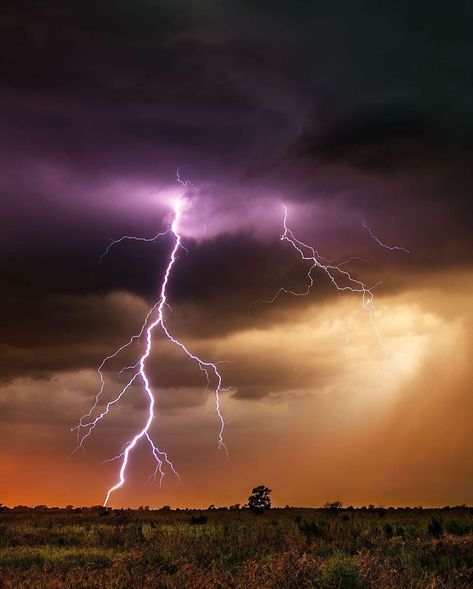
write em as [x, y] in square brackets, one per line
[282, 548]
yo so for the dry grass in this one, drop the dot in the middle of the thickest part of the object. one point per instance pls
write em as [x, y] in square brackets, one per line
[284, 548]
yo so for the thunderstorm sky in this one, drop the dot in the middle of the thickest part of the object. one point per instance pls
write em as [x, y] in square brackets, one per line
[343, 111]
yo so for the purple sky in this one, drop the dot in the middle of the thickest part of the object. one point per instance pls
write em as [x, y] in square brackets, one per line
[341, 112]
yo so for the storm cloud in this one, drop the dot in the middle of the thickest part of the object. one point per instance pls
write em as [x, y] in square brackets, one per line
[343, 113]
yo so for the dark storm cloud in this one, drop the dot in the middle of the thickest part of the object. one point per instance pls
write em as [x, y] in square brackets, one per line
[356, 109]
[121, 89]
[408, 167]
[61, 333]
[383, 140]
[60, 315]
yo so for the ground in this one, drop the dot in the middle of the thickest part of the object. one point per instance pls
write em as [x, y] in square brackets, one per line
[295, 548]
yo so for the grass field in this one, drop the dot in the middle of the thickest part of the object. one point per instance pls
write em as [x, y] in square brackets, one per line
[281, 548]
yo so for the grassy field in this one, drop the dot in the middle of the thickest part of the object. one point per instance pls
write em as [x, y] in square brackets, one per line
[282, 548]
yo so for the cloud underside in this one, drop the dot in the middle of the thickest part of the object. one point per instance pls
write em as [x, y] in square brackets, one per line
[345, 114]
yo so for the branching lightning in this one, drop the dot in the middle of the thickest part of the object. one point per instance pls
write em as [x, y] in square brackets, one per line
[154, 320]
[180, 180]
[132, 238]
[339, 276]
[341, 279]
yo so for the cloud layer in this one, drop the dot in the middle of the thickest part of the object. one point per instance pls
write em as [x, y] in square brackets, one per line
[342, 114]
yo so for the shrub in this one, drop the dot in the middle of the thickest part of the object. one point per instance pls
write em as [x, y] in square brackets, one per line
[341, 572]
[333, 506]
[435, 528]
[198, 520]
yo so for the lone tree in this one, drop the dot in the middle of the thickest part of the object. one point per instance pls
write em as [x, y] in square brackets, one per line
[259, 500]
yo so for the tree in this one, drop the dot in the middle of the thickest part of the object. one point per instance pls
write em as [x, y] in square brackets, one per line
[259, 500]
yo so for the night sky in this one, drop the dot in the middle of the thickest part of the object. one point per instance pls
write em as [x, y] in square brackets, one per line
[342, 111]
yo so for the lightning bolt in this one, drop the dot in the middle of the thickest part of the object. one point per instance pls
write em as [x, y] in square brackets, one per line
[180, 180]
[132, 238]
[154, 320]
[378, 241]
[340, 278]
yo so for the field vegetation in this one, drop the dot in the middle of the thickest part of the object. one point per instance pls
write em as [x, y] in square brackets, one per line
[331, 547]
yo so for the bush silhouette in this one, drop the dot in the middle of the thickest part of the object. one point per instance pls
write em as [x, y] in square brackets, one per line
[435, 528]
[333, 506]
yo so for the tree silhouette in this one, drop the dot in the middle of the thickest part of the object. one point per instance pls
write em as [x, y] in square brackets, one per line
[259, 500]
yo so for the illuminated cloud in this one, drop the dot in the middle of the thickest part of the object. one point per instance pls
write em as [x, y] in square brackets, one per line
[342, 113]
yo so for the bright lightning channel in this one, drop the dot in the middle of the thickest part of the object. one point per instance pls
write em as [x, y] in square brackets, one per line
[341, 279]
[87, 423]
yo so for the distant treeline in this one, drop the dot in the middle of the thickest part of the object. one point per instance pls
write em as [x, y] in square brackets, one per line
[328, 507]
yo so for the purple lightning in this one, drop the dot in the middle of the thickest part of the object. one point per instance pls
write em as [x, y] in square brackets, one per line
[340, 278]
[132, 238]
[388, 247]
[210, 369]
[180, 180]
